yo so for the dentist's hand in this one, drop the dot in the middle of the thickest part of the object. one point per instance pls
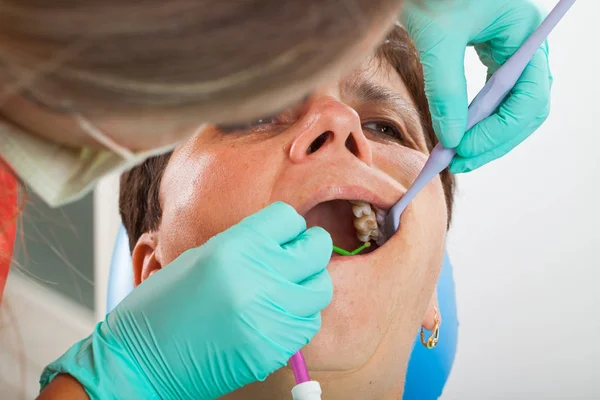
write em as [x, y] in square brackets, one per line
[442, 30]
[223, 315]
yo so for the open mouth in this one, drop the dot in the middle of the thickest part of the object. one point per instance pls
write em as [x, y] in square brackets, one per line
[351, 223]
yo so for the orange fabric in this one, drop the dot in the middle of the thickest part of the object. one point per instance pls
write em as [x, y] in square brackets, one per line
[8, 221]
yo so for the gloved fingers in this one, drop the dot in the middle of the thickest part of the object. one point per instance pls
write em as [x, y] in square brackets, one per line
[462, 164]
[523, 111]
[446, 90]
[306, 255]
[278, 221]
[309, 297]
[510, 25]
[441, 48]
[305, 328]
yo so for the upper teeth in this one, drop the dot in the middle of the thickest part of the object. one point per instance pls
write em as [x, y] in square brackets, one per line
[365, 221]
[360, 208]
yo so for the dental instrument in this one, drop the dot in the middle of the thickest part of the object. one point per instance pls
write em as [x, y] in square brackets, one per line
[343, 252]
[482, 106]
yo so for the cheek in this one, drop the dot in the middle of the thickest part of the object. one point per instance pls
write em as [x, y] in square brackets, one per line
[401, 163]
[424, 222]
[404, 165]
[217, 190]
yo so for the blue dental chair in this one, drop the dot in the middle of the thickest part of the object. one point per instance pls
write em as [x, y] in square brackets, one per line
[428, 370]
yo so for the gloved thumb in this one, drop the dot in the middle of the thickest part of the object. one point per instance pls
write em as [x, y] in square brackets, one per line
[446, 89]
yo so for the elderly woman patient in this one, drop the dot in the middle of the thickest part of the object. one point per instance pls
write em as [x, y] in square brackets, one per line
[351, 148]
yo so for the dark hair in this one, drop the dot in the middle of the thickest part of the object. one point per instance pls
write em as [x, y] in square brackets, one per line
[139, 193]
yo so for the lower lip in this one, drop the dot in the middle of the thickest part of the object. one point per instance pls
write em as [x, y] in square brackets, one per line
[343, 262]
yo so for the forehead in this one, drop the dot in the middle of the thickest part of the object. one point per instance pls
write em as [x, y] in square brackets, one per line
[376, 71]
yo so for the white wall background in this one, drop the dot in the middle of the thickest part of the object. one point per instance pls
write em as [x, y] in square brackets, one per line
[106, 226]
[38, 324]
[525, 242]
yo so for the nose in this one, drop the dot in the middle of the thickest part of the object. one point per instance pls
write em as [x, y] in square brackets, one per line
[331, 129]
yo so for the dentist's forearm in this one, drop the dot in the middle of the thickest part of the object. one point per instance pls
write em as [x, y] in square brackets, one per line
[64, 387]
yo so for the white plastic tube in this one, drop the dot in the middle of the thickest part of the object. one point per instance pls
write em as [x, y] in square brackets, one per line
[310, 390]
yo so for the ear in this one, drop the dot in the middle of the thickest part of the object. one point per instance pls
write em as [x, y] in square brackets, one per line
[430, 315]
[144, 259]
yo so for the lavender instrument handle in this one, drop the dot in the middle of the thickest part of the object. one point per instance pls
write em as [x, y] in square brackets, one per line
[505, 78]
[482, 106]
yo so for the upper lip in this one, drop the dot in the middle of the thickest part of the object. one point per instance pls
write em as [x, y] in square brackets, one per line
[383, 201]
[326, 181]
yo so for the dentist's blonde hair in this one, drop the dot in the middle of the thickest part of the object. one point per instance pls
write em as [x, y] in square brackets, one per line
[135, 54]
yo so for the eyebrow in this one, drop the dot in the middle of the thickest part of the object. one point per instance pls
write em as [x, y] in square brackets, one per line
[369, 92]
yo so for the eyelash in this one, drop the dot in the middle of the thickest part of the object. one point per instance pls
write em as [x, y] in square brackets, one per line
[247, 126]
[271, 119]
[389, 129]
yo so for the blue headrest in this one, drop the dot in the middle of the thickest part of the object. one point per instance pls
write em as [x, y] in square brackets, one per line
[428, 370]
[120, 278]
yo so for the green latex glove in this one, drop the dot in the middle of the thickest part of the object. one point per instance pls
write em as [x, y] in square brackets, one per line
[442, 30]
[221, 316]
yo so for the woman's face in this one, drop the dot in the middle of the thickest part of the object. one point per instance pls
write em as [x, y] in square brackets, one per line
[358, 138]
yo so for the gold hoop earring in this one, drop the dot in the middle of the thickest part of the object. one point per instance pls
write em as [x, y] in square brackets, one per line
[432, 341]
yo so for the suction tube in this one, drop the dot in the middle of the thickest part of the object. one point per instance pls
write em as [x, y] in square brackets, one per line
[305, 388]
[299, 367]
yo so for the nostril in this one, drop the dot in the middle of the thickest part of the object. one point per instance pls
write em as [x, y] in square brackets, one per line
[351, 145]
[319, 142]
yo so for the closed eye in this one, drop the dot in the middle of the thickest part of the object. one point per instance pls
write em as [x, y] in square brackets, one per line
[247, 126]
[265, 121]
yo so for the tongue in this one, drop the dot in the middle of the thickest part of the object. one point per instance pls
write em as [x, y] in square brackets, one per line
[335, 217]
